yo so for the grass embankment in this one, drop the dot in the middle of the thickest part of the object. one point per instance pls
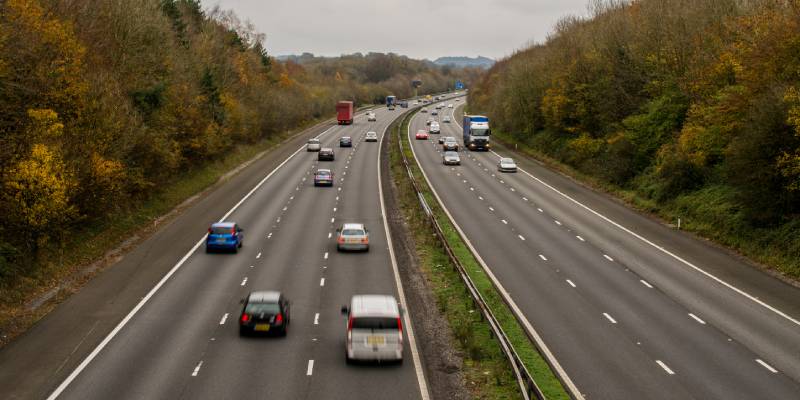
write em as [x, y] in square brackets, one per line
[485, 368]
[96, 240]
[710, 212]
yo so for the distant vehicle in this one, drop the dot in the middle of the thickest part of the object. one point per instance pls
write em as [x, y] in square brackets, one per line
[446, 118]
[344, 112]
[434, 112]
[421, 135]
[424, 110]
[429, 121]
[441, 139]
[371, 116]
[264, 312]
[506, 165]
[390, 101]
[434, 129]
[476, 132]
[323, 177]
[450, 144]
[313, 145]
[451, 158]
[325, 154]
[450, 105]
[224, 236]
[458, 99]
[345, 141]
[374, 329]
[403, 104]
[352, 236]
[439, 106]
[436, 98]
[371, 136]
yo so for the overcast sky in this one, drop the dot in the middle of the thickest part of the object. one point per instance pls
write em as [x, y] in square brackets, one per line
[416, 28]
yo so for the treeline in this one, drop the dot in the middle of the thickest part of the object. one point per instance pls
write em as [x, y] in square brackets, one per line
[105, 102]
[692, 104]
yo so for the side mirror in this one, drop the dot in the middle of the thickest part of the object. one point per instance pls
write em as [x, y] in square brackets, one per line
[240, 230]
[345, 310]
[338, 230]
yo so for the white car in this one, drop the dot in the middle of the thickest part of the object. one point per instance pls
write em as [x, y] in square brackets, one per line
[352, 236]
[450, 105]
[372, 136]
[313, 145]
[374, 329]
[424, 110]
[446, 118]
[434, 127]
[507, 165]
[371, 116]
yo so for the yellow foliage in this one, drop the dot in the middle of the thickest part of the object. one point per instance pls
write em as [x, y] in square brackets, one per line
[107, 174]
[285, 81]
[585, 147]
[44, 124]
[554, 106]
[38, 190]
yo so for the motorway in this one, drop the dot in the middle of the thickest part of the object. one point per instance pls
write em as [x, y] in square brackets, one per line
[182, 340]
[627, 315]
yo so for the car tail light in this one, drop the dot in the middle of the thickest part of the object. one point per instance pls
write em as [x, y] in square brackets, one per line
[279, 319]
[233, 231]
[245, 318]
[210, 231]
[399, 325]
[340, 239]
[365, 240]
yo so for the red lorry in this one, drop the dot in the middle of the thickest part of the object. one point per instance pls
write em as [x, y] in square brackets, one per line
[344, 112]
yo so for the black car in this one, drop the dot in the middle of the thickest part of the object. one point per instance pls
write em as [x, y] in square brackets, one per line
[264, 312]
[325, 154]
[345, 141]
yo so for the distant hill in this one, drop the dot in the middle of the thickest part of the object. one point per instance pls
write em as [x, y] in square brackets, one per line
[479, 61]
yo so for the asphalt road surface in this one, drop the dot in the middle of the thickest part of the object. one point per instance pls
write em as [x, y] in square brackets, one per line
[630, 308]
[180, 340]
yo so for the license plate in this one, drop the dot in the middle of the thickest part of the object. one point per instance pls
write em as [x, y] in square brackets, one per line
[262, 327]
[220, 240]
[353, 240]
[376, 340]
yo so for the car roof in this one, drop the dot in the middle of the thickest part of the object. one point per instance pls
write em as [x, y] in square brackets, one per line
[374, 305]
[506, 159]
[326, 149]
[313, 140]
[264, 296]
[323, 170]
[451, 153]
[223, 224]
[352, 225]
[345, 137]
[372, 132]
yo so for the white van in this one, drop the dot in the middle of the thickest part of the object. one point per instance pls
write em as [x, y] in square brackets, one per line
[374, 329]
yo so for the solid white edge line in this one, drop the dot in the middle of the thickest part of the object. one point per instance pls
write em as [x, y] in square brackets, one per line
[663, 250]
[559, 370]
[767, 366]
[74, 374]
[665, 367]
[423, 385]
[310, 369]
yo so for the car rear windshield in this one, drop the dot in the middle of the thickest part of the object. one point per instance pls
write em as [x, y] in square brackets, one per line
[352, 232]
[323, 174]
[262, 308]
[219, 230]
[375, 323]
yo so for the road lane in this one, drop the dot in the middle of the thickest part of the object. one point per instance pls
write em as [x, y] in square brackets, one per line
[652, 326]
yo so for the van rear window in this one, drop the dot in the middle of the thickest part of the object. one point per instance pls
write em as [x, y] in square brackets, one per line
[375, 323]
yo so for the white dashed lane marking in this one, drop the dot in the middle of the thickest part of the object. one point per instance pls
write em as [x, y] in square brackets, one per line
[244, 282]
[570, 283]
[767, 366]
[608, 257]
[224, 318]
[665, 367]
[644, 282]
[558, 222]
[521, 237]
[580, 238]
[608, 317]
[696, 318]
[504, 221]
[325, 256]
[197, 368]
[310, 369]
[322, 282]
[258, 255]
[542, 257]
[316, 319]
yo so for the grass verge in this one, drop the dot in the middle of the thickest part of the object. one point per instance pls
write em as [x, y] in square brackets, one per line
[64, 270]
[485, 368]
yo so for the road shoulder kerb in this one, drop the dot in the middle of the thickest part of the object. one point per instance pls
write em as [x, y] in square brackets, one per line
[532, 333]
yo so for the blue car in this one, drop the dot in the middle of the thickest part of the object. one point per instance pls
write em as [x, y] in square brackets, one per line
[224, 236]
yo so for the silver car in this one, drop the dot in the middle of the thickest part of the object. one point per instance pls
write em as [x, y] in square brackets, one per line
[371, 136]
[371, 116]
[446, 118]
[374, 329]
[352, 237]
[451, 158]
[313, 145]
[424, 110]
[506, 165]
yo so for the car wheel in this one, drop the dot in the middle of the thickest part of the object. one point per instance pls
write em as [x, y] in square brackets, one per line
[242, 331]
[235, 249]
[338, 248]
[284, 331]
